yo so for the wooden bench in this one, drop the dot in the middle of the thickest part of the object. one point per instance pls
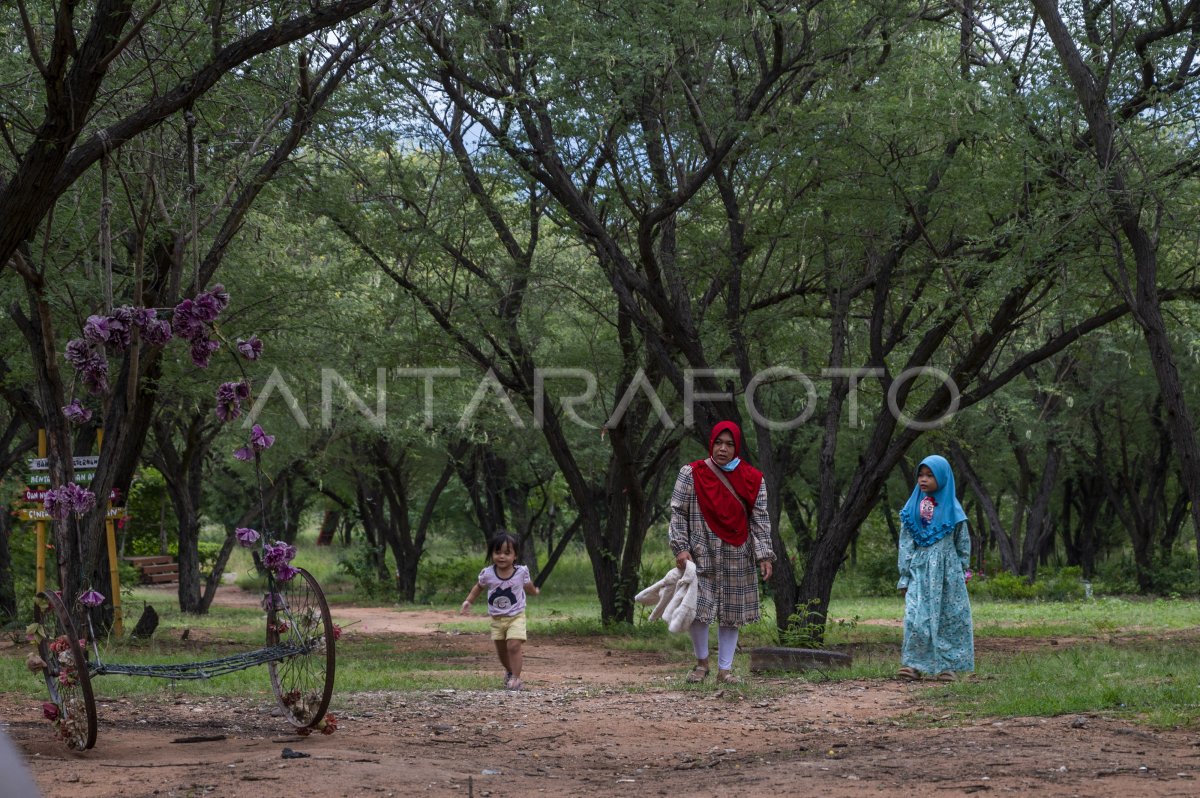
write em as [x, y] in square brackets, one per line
[160, 570]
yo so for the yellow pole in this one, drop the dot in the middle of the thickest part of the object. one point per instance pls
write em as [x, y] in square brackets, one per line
[114, 573]
[41, 527]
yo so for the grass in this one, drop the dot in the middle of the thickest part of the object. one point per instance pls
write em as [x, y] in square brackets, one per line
[1152, 682]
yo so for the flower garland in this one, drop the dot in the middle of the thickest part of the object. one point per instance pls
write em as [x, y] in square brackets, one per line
[194, 322]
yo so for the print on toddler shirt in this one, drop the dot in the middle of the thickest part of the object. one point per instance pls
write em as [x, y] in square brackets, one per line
[502, 598]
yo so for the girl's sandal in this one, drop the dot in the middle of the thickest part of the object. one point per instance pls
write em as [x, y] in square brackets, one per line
[727, 677]
[696, 675]
[507, 678]
[908, 674]
[515, 684]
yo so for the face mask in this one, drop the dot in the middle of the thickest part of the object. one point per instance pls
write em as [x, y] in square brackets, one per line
[732, 464]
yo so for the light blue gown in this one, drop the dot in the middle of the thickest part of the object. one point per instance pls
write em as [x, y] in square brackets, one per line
[938, 632]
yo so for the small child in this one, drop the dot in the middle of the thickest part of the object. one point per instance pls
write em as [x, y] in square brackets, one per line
[506, 584]
[935, 550]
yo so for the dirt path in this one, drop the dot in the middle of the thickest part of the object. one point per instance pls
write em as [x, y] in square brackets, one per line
[578, 731]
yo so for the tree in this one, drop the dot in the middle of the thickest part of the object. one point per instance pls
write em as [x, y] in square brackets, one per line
[93, 101]
[1137, 79]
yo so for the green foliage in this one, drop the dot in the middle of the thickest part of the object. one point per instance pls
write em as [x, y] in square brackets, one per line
[358, 562]
[1175, 577]
[442, 580]
[805, 628]
[1004, 586]
[148, 509]
[21, 547]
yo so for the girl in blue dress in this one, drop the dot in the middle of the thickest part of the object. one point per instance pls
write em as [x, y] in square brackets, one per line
[935, 550]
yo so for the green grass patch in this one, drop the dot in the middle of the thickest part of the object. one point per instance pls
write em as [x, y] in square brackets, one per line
[1151, 682]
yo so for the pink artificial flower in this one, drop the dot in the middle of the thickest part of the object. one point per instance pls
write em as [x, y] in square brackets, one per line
[49, 711]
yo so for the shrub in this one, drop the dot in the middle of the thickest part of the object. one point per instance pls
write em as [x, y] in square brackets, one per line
[446, 579]
[1004, 586]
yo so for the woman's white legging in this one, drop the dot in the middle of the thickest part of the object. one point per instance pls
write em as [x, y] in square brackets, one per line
[727, 637]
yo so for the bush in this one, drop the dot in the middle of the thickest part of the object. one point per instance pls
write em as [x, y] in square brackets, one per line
[1003, 586]
[446, 579]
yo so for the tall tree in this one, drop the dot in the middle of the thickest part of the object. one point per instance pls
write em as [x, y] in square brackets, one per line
[1137, 77]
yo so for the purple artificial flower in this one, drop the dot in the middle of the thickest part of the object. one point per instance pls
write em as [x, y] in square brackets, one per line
[185, 324]
[246, 536]
[206, 307]
[94, 373]
[142, 317]
[78, 352]
[61, 502]
[259, 439]
[251, 348]
[76, 413]
[245, 454]
[277, 554]
[220, 295]
[91, 599]
[96, 330]
[120, 328]
[229, 399]
[284, 573]
[202, 350]
[157, 332]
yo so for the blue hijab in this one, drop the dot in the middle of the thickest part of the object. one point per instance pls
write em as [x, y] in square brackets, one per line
[946, 515]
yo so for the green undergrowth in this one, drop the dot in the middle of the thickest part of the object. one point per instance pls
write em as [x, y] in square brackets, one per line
[1152, 682]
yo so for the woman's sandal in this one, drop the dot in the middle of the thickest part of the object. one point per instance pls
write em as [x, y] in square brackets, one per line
[727, 677]
[947, 676]
[515, 684]
[908, 674]
[697, 675]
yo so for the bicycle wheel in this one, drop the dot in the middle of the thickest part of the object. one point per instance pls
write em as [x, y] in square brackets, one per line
[66, 670]
[297, 615]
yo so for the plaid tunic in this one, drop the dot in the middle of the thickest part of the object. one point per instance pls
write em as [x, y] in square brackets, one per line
[727, 575]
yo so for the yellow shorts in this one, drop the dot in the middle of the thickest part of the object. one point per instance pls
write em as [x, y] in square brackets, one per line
[508, 627]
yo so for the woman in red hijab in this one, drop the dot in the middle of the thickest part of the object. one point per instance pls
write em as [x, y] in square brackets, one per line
[719, 521]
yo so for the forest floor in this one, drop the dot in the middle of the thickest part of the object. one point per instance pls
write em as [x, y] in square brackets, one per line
[596, 721]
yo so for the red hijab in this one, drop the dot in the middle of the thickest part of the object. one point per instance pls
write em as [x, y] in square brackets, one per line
[725, 515]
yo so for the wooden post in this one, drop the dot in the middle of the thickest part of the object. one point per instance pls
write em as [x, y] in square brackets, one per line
[41, 527]
[114, 573]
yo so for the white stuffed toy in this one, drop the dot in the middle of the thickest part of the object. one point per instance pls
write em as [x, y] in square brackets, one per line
[674, 597]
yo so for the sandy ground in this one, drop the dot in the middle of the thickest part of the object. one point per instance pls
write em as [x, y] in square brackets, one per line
[577, 730]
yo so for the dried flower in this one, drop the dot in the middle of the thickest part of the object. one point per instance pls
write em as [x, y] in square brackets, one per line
[328, 724]
[34, 663]
[50, 711]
